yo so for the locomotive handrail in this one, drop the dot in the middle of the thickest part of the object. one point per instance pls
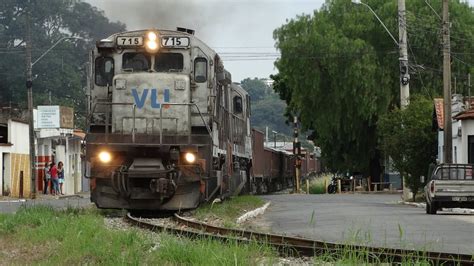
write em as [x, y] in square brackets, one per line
[134, 106]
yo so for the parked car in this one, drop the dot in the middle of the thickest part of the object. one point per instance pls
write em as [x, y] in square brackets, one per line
[450, 186]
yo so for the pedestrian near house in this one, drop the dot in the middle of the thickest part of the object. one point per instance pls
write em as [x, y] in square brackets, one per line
[61, 177]
[47, 178]
[54, 179]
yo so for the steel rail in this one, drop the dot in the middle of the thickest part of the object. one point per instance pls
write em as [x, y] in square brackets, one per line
[300, 246]
[310, 247]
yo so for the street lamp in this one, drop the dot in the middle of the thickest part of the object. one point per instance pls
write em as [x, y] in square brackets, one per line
[402, 45]
[29, 87]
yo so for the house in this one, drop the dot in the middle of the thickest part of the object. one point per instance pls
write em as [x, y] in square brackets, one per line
[14, 157]
[462, 129]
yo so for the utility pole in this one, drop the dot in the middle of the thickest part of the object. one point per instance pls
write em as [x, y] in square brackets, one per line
[29, 87]
[297, 153]
[448, 138]
[469, 91]
[402, 46]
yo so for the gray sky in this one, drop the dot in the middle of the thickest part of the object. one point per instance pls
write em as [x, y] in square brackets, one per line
[234, 28]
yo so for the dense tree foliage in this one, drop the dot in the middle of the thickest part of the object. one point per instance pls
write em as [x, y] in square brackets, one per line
[62, 73]
[408, 138]
[267, 109]
[339, 71]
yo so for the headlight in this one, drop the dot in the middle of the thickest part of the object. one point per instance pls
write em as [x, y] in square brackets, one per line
[152, 45]
[105, 157]
[152, 36]
[190, 158]
[152, 42]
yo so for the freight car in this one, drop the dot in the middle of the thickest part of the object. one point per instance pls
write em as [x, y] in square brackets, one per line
[274, 169]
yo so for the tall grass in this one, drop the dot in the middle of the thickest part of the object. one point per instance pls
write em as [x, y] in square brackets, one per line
[229, 210]
[317, 185]
[80, 237]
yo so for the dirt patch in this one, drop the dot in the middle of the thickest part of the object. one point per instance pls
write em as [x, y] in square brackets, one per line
[14, 251]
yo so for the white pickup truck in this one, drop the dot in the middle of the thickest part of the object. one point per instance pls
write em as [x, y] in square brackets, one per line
[450, 186]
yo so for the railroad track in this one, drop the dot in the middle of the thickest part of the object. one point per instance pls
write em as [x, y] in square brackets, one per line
[295, 246]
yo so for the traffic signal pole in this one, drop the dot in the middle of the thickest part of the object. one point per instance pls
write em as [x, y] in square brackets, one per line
[297, 153]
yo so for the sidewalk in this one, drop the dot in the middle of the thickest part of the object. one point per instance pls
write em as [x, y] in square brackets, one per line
[80, 200]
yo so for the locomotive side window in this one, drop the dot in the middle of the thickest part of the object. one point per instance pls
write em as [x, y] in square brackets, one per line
[136, 62]
[200, 69]
[237, 105]
[104, 71]
[169, 62]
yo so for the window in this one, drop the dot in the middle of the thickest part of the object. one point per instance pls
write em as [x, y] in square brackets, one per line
[200, 69]
[104, 71]
[169, 62]
[136, 62]
[237, 105]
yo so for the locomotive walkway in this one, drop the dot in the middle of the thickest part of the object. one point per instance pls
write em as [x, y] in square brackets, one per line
[375, 220]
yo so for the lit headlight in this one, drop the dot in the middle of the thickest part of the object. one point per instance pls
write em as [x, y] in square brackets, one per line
[152, 36]
[152, 42]
[105, 157]
[190, 158]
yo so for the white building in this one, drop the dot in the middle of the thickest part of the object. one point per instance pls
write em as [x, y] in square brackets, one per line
[15, 158]
[462, 130]
[57, 141]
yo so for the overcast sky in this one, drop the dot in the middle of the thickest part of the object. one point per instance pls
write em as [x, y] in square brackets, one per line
[240, 30]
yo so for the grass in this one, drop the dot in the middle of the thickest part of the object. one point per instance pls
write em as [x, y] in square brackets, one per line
[41, 235]
[228, 211]
[317, 185]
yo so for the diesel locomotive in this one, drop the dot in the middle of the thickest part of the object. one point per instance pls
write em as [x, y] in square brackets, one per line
[167, 128]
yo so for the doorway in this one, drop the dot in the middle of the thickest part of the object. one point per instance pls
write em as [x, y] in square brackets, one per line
[470, 149]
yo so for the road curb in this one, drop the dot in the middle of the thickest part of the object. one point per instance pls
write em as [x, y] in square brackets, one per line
[454, 210]
[71, 196]
[252, 214]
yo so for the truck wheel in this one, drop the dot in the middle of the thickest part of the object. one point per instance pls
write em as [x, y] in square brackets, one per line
[431, 208]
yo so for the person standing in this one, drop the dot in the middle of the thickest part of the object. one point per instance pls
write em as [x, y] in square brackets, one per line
[47, 178]
[54, 179]
[61, 177]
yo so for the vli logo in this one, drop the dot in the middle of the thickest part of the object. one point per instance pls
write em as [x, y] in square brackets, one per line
[141, 99]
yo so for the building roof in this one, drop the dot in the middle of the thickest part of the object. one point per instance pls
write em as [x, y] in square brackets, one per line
[79, 133]
[468, 114]
[439, 111]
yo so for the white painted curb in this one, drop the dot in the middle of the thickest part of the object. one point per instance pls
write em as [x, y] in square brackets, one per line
[252, 214]
[454, 210]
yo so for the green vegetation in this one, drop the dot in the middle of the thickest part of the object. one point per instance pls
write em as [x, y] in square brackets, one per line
[409, 140]
[317, 185]
[40, 235]
[227, 212]
[339, 70]
[63, 71]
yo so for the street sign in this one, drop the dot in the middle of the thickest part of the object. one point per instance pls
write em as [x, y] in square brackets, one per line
[48, 116]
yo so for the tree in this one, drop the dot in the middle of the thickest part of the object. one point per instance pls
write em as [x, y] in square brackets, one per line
[408, 138]
[62, 73]
[256, 88]
[339, 71]
[267, 109]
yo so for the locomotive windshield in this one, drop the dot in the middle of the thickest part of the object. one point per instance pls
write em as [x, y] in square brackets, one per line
[136, 62]
[169, 62]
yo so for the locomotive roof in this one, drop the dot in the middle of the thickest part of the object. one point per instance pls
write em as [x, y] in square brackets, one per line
[195, 40]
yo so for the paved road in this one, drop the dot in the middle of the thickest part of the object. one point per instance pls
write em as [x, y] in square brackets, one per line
[12, 205]
[375, 220]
